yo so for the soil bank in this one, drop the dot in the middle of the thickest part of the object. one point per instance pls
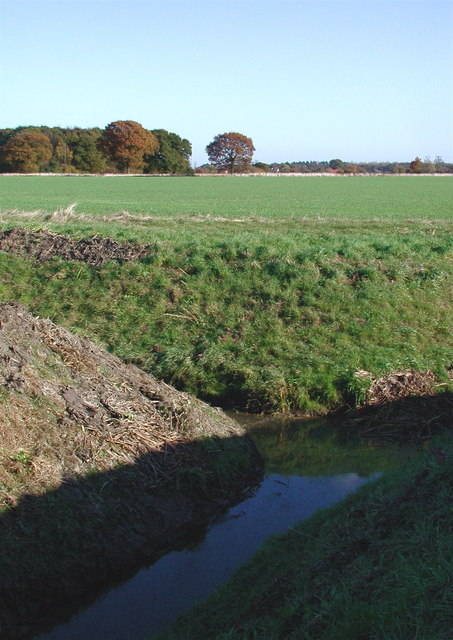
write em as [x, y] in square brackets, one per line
[102, 467]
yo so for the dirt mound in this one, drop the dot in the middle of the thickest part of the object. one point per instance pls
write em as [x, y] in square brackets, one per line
[101, 466]
[44, 245]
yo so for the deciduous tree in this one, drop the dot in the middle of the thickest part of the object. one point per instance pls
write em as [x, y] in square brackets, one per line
[416, 165]
[85, 154]
[173, 155]
[336, 164]
[126, 142]
[231, 152]
[26, 152]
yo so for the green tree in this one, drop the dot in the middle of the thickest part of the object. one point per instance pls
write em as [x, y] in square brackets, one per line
[336, 164]
[428, 165]
[126, 143]
[86, 156]
[62, 155]
[26, 152]
[439, 164]
[232, 152]
[173, 155]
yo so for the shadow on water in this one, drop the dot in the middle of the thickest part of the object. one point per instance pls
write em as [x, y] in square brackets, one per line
[112, 530]
[157, 594]
[91, 531]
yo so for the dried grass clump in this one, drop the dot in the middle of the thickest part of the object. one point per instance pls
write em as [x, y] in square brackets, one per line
[403, 406]
[402, 384]
[70, 408]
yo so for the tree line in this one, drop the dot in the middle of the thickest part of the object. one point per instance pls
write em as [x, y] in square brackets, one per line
[337, 166]
[125, 146]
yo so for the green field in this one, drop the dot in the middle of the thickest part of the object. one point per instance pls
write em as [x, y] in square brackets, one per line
[262, 293]
[354, 198]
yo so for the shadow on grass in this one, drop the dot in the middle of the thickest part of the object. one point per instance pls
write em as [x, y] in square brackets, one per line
[67, 545]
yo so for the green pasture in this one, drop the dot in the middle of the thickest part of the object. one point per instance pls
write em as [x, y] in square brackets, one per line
[260, 293]
[391, 197]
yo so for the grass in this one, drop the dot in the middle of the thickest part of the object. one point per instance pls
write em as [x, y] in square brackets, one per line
[274, 310]
[271, 294]
[355, 198]
[377, 566]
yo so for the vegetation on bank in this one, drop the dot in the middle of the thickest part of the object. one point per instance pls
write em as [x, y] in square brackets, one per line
[378, 565]
[238, 325]
[295, 297]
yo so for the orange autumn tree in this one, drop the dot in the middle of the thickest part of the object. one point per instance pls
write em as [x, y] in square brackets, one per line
[26, 152]
[416, 165]
[231, 151]
[126, 142]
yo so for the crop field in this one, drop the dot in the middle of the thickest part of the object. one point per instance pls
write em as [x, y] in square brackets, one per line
[232, 197]
[279, 293]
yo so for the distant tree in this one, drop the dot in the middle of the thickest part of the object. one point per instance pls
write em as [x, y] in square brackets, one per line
[261, 167]
[439, 164]
[428, 165]
[416, 165]
[26, 152]
[206, 168]
[4, 135]
[336, 164]
[86, 156]
[62, 155]
[231, 152]
[172, 156]
[126, 142]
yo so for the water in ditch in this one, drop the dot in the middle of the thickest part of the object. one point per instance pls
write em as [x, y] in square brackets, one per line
[308, 467]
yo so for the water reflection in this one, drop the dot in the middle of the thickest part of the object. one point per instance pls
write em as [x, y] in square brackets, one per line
[319, 446]
[311, 464]
[154, 597]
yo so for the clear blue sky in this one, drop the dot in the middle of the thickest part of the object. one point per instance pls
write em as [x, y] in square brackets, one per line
[305, 79]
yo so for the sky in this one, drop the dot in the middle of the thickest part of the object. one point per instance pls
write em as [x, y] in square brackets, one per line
[360, 80]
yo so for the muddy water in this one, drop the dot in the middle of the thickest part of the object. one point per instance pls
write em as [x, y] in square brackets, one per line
[309, 467]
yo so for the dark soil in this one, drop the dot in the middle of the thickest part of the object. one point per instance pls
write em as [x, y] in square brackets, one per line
[102, 467]
[44, 245]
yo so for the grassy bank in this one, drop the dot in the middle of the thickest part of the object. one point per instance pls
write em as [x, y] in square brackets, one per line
[379, 565]
[274, 316]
